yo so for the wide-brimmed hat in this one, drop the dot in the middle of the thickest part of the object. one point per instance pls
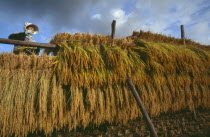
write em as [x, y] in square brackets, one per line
[36, 29]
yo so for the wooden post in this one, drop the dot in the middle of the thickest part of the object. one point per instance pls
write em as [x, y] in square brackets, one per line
[28, 44]
[113, 28]
[182, 34]
[142, 108]
[194, 113]
[183, 38]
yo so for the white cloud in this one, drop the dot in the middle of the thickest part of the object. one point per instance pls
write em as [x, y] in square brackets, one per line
[200, 33]
[96, 16]
[151, 15]
[200, 28]
[119, 15]
[162, 14]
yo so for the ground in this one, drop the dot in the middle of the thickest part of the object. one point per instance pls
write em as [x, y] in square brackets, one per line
[179, 124]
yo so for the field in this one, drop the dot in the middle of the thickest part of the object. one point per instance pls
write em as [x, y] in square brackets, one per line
[84, 83]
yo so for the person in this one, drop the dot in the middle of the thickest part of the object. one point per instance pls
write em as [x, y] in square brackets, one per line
[29, 30]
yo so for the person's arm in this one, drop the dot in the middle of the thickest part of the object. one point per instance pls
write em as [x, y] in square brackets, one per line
[12, 36]
[17, 36]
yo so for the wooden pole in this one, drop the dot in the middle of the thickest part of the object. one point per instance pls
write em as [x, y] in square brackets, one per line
[113, 28]
[28, 44]
[194, 113]
[183, 38]
[182, 34]
[142, 108]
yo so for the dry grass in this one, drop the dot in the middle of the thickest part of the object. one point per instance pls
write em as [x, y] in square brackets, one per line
[85, 83]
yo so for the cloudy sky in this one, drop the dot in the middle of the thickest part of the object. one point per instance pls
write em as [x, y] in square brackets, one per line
[95, 17]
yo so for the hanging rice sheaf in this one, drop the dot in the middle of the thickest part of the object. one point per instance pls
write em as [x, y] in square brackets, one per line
[84, 83]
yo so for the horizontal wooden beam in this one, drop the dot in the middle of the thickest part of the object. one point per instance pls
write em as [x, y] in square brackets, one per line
[28, 44]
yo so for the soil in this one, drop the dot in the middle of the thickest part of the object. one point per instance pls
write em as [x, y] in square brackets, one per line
[179, 124]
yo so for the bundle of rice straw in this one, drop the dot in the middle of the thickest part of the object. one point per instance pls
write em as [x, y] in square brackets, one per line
[85, 83]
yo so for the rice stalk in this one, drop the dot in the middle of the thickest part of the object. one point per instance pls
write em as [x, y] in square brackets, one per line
[84, 83]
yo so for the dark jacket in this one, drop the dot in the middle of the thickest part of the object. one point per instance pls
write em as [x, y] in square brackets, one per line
[18, 36]
[18, 49]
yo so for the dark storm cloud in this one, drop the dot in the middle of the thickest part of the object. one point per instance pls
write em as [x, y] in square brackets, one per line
[60, 12]
[63, 14]
[69, 14]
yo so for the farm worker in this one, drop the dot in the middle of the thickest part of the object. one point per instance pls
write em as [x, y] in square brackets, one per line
[29, 30]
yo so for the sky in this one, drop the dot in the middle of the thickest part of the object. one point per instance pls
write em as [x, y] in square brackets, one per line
[95, 17]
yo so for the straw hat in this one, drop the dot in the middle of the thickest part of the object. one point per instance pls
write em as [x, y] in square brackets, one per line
[27, 24]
